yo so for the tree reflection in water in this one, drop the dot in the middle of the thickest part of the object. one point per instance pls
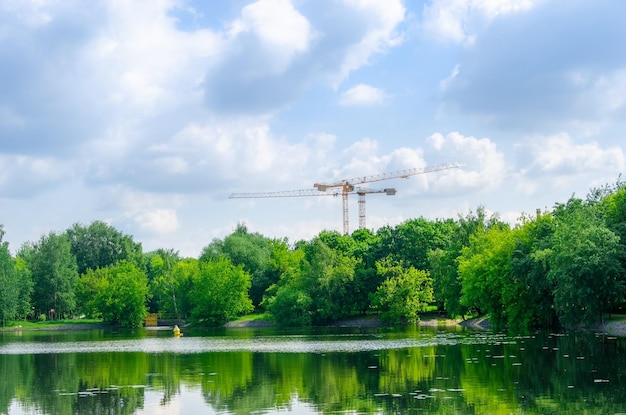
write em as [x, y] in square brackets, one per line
[464, 373]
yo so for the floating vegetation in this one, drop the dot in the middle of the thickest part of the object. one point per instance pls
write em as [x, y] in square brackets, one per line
[424, 396]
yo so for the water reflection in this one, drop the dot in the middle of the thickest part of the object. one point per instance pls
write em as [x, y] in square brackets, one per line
[241, 372]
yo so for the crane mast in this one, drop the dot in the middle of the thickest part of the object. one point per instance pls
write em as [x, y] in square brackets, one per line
[348, 187]
[361, 194]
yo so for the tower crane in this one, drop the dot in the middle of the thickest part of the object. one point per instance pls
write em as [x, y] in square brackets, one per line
[359, 191]
[347, 187]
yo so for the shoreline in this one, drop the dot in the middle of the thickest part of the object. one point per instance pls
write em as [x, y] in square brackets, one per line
[611, 328]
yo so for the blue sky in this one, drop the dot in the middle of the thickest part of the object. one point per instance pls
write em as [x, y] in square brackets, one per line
[147, 114]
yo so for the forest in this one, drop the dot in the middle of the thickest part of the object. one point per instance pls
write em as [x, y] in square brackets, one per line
[564, 267]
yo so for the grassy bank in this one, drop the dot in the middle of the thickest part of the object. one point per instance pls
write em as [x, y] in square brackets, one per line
[252, 320]
[52, 324]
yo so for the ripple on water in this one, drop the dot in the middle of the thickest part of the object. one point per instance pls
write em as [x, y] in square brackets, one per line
[191, 345]
[268, 344]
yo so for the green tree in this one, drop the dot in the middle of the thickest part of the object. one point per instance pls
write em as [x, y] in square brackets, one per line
[25, 286]
[528, 295]
[100, 245]
[117, 293]
[405, 292]
[411, 241]
[327, 276]
[177, 299]
[484, 269]
[219, 292]
[288, 300]
[586, 265]
[250, 250]
[9, 283]
[612, 205]
[160, 266]
[291, 304]
[443, 260]
[54, 273]
[366, 279]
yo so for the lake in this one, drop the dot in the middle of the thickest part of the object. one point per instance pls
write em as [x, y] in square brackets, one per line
[422, 370]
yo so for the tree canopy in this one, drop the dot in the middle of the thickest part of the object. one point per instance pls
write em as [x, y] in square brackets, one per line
[564, 266]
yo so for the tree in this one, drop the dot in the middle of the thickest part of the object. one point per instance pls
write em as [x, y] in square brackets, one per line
[176, 298]
[291, 304]
[586, 265]
[327, 276]
[529, 294]
[288, 300]
[411, 241]
[160, 265]
[250, 250]
[405, 292]
[366, 279]
[118, 293]
[54, 272]
[25, 287]
[613, 208]
[219, 292]
[443, 260]
[484, 268]
[100, 245]
[9, 284]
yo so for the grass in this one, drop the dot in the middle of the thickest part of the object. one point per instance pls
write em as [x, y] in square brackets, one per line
[31, 324]
[255, 317]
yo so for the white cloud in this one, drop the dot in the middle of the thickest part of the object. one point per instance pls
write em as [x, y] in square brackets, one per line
[274, 33]
[482, 165]
[559, 154]
[265, 67]
[278, 24]
[143, 59]
[362, 95]
[557, 166]
[161, 221]
[141, 212]
[461, 20]
[382, 19]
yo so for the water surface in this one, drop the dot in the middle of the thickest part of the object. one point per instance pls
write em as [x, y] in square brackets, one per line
[268, 371]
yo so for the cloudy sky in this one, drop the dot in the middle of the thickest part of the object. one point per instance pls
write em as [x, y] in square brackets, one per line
[148, 114]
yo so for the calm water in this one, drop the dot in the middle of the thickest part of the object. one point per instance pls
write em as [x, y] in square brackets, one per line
[268, 371]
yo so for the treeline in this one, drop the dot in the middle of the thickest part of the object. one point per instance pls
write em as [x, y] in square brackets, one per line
[561, 267]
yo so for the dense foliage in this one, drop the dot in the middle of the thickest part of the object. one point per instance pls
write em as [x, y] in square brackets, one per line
[561, 267]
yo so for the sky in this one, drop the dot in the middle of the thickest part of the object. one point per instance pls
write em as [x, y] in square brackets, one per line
[148, 114]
